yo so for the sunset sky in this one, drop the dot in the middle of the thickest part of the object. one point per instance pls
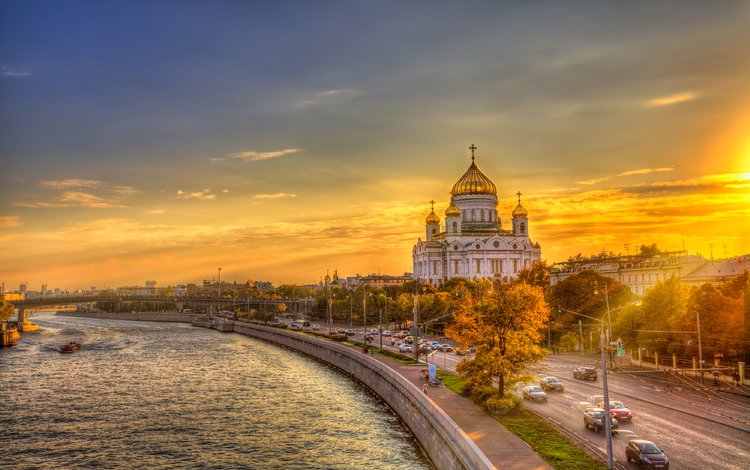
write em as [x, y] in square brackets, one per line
[164, 139]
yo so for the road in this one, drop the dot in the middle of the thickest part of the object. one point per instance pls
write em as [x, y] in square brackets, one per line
[697, 427]
[694, 432]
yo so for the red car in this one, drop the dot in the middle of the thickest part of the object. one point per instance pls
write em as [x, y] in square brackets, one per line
[619, 411]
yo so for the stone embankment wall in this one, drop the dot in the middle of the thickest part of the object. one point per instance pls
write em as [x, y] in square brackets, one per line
[174, 317]
[445, 443]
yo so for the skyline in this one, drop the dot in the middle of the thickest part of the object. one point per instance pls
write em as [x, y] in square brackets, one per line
[163, 141]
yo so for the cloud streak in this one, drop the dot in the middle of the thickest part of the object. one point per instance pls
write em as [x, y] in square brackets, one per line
[642, 171]
[9, 221]
[6, 71]
[254, 156]
[203, 195]
[275, 196]
[671, 99]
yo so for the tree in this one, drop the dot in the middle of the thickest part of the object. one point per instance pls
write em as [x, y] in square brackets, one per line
[6, 310]
[663, 307]
[649, 250]
[536, 275]
[504, 323]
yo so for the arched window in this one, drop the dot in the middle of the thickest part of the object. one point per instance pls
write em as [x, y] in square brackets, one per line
[523, 227]
[455, 227]
[482, 216]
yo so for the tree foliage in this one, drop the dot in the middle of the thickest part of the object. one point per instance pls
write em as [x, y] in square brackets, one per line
[503, 322]
[6, 310]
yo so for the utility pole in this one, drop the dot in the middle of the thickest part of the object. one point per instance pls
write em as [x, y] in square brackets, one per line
[700, 348]
[416, 328]
[607, 417]
[580, 336]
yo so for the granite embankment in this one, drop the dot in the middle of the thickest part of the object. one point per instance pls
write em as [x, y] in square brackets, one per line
[173, 317]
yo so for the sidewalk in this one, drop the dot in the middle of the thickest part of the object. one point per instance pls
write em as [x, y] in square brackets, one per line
[503, 448]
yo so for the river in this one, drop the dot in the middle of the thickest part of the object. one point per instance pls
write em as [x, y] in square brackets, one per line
[169, 395]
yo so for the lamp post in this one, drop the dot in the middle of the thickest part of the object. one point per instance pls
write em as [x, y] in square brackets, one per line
[364, 312]
[607, 417]
[700, 348]
[219, 291]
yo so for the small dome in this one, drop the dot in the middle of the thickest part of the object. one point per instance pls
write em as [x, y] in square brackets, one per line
[452, 210]
[432, 218]
[520, 211]
[473, 181]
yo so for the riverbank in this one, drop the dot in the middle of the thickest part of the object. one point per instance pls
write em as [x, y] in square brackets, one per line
[171, 317]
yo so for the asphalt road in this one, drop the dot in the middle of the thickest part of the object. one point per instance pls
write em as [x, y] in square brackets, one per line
[697, 426]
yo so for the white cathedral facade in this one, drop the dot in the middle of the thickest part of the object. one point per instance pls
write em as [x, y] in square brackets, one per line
[472, 242]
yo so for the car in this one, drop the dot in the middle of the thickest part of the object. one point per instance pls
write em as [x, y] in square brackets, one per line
[435, 345]
[373, 331]
[460, 352]
[396, 342]
[582, 406]
[349, 332]
[425, 347]
[550, 383]
[596, 399]
[593, 418]
[618, 410]
[409, 339]
[398, 335]
[315, 326]
[387, 333]
[405, 348]
[584, 373]
[646, 454]
[446, 347]
[533, 393]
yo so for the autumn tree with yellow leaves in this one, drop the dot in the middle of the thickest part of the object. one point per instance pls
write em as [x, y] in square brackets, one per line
[504, 321]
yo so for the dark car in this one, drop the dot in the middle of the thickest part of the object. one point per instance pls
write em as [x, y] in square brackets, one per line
[585, 373]
[593, 418]
[533, 393]
[646, 454]
[551, 384]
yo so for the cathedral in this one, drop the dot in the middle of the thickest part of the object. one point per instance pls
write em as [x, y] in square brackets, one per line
[472, 242]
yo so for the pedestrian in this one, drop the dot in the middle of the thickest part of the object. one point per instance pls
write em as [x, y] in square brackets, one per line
[736, 378]
[424, 388]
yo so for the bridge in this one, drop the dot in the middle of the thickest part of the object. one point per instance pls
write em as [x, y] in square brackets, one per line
[207, 304]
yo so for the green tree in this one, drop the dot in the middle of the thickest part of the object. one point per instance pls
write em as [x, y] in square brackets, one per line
[663, 308]
[536, 275]
[504, 323]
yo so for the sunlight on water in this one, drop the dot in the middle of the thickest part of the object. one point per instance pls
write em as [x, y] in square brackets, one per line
[163, 395]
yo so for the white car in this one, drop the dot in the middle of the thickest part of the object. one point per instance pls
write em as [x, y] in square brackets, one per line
[387, 332]
[315, 326]
[405, 348]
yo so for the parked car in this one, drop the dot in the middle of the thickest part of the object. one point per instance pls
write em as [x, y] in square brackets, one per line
[594, 419]
[646, 454]
[551, 384]
[405, 348]
[446, 347]
[618, 410]
[584, 373]
[534, 393]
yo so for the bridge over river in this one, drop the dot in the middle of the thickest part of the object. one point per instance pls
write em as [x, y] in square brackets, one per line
[205, 304]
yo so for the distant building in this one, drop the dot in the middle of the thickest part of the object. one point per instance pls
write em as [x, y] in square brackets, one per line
[642, 272]
[378, 280]
[472, 242]
[150, 284]
[23, 287]
[263, 286]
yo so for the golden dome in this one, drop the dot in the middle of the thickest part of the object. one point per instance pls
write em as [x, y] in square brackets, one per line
[452, 210]
[519, 211]
[473, 181]
[432, 218]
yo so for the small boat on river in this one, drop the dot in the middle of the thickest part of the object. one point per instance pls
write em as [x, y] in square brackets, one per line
[70, 347]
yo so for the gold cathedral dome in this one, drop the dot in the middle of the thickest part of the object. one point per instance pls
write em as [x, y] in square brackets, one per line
[452, 210]
[433, 217]
[473, 181]
[519, 211]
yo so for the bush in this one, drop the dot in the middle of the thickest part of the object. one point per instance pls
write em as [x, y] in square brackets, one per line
[480, 394]
[502, 406]
[340, 338]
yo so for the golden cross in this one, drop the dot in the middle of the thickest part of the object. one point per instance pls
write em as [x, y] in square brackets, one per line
[472, 148]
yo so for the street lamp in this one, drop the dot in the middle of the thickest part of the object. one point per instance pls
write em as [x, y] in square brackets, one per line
[219, 291]
[607, 417]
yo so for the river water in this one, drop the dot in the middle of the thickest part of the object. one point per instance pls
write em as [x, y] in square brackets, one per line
[168, 395]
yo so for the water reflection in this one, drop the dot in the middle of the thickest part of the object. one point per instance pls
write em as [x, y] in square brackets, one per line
[144, 394]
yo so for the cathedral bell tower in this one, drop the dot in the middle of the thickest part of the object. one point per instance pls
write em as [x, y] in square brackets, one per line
[520, 219]
[432, 223]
